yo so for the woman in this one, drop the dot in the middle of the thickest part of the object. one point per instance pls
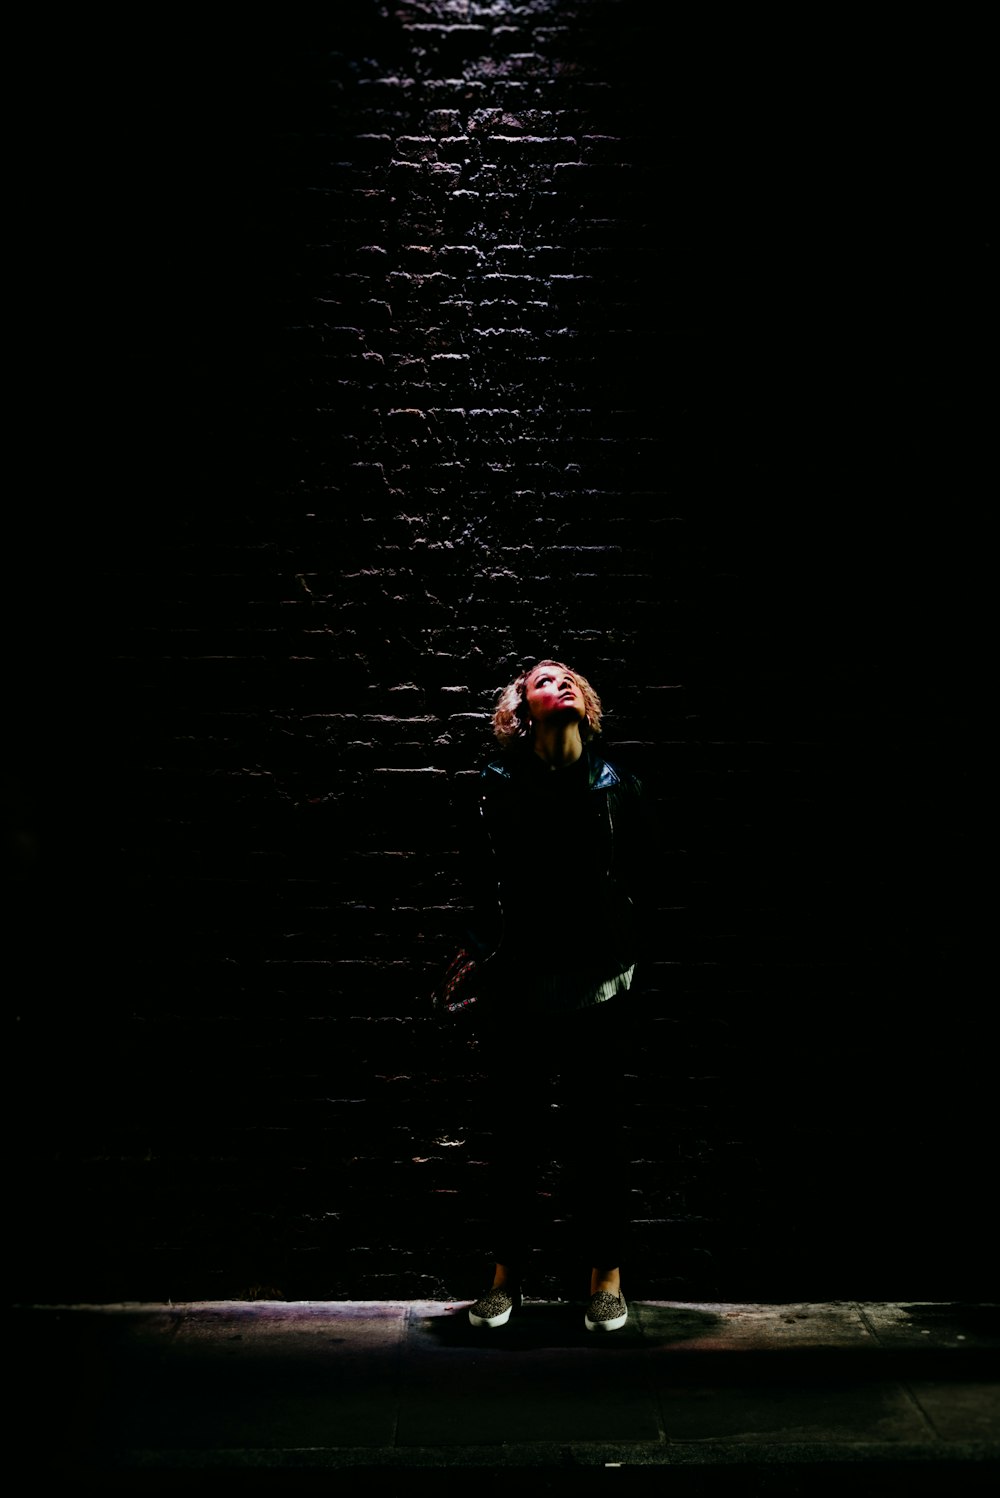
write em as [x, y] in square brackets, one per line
[554, 874]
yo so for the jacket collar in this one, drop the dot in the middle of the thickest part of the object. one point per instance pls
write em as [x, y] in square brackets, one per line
[600, 774]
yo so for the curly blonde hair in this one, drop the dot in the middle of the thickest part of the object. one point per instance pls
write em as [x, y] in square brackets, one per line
[511, 723]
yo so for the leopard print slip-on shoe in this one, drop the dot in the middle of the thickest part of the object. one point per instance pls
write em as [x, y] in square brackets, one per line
[606, 1312]
[494, 1308]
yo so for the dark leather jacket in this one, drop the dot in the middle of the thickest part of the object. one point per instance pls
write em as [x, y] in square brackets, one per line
[587, 824]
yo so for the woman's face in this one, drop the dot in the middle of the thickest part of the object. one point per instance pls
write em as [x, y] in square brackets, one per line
[552, 694]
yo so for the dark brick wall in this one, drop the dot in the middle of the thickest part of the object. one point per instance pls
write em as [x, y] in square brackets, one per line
[418, 342]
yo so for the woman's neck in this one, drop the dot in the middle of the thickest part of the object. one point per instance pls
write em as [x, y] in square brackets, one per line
[558, 745]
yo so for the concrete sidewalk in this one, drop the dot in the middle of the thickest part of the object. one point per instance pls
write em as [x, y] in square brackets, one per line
[756, 1398]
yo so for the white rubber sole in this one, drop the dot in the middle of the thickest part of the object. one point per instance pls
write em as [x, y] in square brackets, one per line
[491, 1320]
[613, 1325]
[500, 1320]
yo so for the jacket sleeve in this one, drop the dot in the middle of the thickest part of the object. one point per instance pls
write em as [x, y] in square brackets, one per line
[641, 860]
[481, 919]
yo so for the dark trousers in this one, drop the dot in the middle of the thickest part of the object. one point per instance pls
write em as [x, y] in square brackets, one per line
[556, 1099]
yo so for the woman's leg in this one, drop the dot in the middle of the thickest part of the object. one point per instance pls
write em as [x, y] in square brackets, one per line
[595, 1090]
[517, 1097]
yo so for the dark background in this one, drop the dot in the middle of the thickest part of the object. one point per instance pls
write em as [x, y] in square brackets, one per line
[362, 361]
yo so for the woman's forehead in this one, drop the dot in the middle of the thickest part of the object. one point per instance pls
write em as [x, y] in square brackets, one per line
[549, 666]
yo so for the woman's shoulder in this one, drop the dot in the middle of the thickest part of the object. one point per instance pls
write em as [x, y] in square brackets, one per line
[608, 770]
[495, 779]
[511, 773]
[497, 771]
